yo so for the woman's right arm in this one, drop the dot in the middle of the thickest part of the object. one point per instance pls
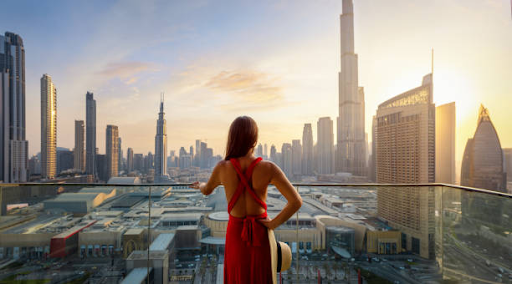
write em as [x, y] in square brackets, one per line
[279, 180]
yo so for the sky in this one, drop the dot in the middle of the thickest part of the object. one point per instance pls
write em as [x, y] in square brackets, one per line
[277, 61]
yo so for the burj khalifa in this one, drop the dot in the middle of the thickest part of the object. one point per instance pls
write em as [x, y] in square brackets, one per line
[351, 140]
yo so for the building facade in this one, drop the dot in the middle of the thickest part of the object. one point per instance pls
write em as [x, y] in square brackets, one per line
[14, 153]
[482, 163]
[296, 158]
[405, 137]
[90, 112]
[325, 146]
[287, 162]
[351, 145]
[48, 128]
[307, 150]
[129, 160]
[79, 151]
[112, 150]
[445, 143]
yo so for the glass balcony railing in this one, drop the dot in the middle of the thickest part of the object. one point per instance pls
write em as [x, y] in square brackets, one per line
[71, 233]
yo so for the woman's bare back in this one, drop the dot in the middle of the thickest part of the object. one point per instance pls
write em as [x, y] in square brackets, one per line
[261, 177]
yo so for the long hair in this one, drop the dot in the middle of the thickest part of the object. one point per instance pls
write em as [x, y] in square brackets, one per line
[242, 137]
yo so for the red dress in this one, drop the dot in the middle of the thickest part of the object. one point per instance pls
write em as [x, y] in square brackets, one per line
[247, 250]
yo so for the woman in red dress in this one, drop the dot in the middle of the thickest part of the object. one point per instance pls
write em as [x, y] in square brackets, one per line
[245, 179]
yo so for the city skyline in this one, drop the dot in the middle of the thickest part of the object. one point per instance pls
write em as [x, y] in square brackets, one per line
[463, 74]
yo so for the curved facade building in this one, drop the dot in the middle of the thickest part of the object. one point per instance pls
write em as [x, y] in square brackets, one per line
[482, 164]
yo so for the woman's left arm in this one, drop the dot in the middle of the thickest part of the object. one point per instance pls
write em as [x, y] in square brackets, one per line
[213, 182]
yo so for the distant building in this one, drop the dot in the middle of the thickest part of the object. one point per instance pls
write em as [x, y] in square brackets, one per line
[405, 137]
[445, 143]
[265, 151]
[65, 160]
[161, 145]
[90, 127]
[307, 150]
[79, 150]
[14, 154]
[101, 167]
[325, 146]
[286, 151]
[273, 154]
[34, 165]
[296, 158]
[48, 128]
[482, 163]
[129, 160]
[259, 150]
[112, 150]
[149, 162]
[373, 158]
[507, 152]
[120, 156]
[351, 146]
[138, 162]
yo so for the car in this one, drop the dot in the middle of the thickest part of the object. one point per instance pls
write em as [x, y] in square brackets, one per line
[191, 265]
[179, 265]
[409, 259]
[352, 259]
[402, 268]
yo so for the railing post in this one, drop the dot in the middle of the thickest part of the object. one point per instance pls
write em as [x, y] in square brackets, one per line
[149, 229]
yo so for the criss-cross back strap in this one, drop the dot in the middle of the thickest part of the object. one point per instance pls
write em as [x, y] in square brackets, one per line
[244, 184]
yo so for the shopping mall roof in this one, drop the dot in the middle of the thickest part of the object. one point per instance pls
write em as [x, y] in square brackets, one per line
[124, 180]
[162, 242]
[137, 275]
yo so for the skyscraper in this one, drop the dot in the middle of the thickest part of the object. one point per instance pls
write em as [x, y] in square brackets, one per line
[286, 151]
[112, 150]
[307, 150]
[129, 160]
[325, 146]
[79, 151]
[14, 147]
[90, 129]
[351, 146]
[445, 143]
[482, 163]
[296, 158]
[405, 137]
[259, 150]
[161, 145]
[273, 154]
[48, 128]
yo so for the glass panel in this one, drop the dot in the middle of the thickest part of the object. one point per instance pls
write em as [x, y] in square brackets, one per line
[409, 234]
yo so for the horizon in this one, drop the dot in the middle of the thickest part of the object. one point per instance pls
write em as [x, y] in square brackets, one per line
[267, 60]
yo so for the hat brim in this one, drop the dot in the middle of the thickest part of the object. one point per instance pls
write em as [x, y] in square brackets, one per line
[273, 254]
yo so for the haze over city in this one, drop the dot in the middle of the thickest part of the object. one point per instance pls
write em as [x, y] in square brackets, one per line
[275, 61]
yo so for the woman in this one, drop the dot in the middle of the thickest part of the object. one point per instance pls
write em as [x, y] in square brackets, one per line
[245, 179]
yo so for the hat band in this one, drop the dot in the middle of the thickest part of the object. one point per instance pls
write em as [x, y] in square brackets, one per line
[279, 257]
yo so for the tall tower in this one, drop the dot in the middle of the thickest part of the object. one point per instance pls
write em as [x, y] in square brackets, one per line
[445, 143]
[79, 151]
[48, 128]
[351, 146]
[90, 147]
[161, 145]
[112, 151]
[14, 147]
[307, 150]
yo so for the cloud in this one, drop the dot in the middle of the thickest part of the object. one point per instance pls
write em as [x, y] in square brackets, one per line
[125, 71]
[247, 86]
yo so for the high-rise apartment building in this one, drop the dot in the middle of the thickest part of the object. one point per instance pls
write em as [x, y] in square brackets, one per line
[445, 143]
[48, 128]
[259, 150]
[112, 150]
[325, 146]
[351, 145]
[14, 147]
[129, 160]
[273, 154]
[307, 150]
[286, 152]
[296, 158]
[482, 163]
[161, 145]
[265, 151]
[79, 151]
[90, 131]
[405, 137]
[507, 152]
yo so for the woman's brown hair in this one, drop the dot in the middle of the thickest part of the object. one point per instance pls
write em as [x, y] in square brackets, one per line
[242, 137]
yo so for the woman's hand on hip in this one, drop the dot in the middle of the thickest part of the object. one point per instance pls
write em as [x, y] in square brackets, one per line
[268, 222]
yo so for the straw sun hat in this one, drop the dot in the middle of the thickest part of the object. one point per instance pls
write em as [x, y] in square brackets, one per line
[281, 255]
